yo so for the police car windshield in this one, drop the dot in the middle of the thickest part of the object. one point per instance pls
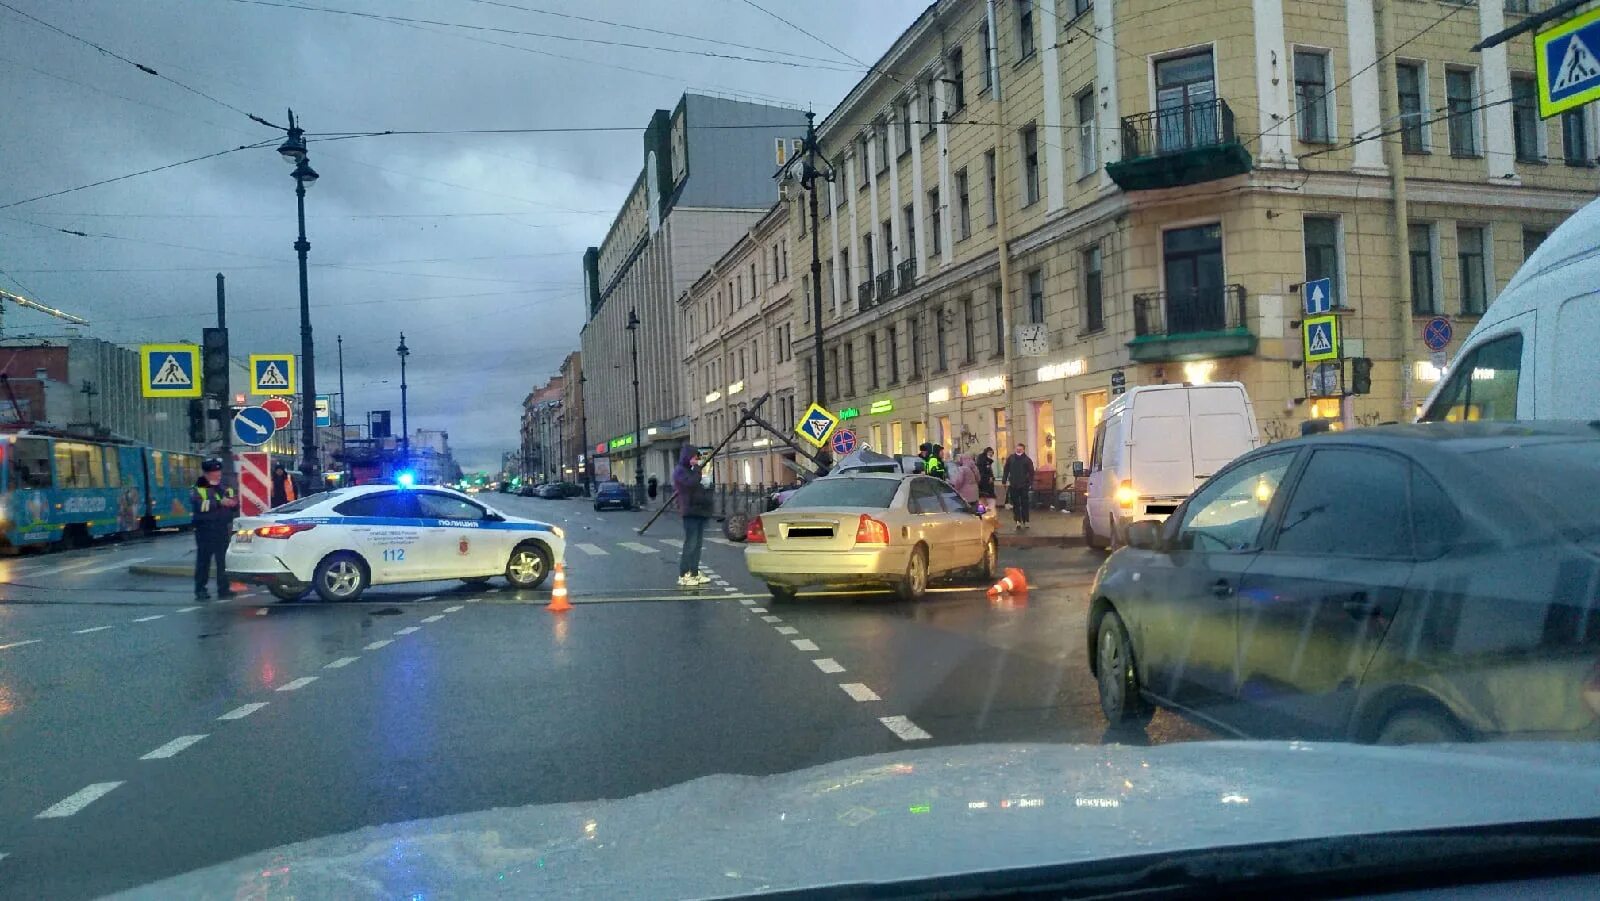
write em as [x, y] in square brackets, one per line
[303, 503]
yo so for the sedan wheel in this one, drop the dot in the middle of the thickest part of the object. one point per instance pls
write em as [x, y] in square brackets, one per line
[991, 560]
[341, 577]
[780, 593]
[915, 583]
[1119, 681]
[527, 567]
[1420, 727]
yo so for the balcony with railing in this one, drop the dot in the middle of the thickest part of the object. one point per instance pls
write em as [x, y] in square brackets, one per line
[864, 295]
[907, 273]
[1180, 145]
[885, 285]
[1193, 324]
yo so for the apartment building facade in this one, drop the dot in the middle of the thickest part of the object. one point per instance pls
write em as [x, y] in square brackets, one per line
[1038, 203]
[738, 323]
[707, 176]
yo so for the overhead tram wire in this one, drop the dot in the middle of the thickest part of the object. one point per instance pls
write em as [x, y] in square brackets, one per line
[106, 181]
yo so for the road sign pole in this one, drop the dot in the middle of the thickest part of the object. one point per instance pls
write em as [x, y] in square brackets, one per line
[220, 392]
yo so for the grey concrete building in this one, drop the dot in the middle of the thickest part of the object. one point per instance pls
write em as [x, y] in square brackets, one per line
[707, 176]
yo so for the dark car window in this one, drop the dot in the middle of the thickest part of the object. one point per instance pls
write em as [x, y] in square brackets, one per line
[1481, 385]
[924, 497]
[443, 506]
[391, 504]
[953, 502]
[1435, 523]
[1562, 477]
[1226, 514]
[1348, 502]
[836, 491]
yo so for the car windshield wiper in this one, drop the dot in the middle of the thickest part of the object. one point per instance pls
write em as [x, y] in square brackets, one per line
[1335, 865]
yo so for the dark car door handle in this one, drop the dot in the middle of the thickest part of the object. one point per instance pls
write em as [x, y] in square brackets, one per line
[1359, 605]
[1221, 588]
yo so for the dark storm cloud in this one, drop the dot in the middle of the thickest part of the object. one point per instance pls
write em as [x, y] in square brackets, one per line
[470, 244]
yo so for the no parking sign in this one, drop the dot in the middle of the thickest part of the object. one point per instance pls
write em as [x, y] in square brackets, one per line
[844, 442]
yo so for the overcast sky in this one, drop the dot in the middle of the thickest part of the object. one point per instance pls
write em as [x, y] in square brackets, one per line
[470, 244]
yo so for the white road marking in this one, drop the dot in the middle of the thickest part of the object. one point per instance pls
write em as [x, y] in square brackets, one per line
[341, 662]
[407, 630]
[804, 644]
[378, 644]
[187, 609]
[722, 541]
[790, 630]
[171, 748]
[828, 665]
[77, 801]
[859, 692]
[905, 728]
[639, 548]
[110, 566]
[593, 550]
[456, 609]
[88, 630]
[722, 582]
[434, 618]
[297, 684]
[671, 542]
[747, 602]
[772, 619]
[18, 644]
[473, 600]
[239, 713]
[261, 611]
[63, 567]
[145, 619]
[730, 588]
[427, 597]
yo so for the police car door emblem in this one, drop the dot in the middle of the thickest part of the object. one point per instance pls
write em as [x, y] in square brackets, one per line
[463, 546]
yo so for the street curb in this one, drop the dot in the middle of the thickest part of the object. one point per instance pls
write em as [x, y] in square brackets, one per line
[157, 569]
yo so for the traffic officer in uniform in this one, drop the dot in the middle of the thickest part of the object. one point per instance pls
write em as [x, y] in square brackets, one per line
[213, 505]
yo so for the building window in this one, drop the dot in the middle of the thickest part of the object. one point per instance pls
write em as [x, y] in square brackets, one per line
[1575, 137]
[1525, 125]
[930, 103]
[956, 75]
[1459, 99]
[862, 144]
[914, 345]
[1024, 29]
[991, 180]
[833, 366]
[902, 113]
[894, 355]
[941, 340]
[935, 222]
[783, 248]
[1093, 301]
[868, 262]
[987, 78]
[880, 137]
[1322, 253]
[1079, 7]
[963, 206]
[886, 234]
[1531, 239]
[1191, 264]
[1470, 247]
[998, 310]
[1186, 93]
[1413, 131]
[909, 214]
[1313, 109]
[1084, 104]
[969, 338]
[1036, 296]
[850, 369]
[1030, 165]
[872, 361]
[1423, 298]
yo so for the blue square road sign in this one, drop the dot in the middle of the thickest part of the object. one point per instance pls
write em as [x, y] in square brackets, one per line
[1318, 296]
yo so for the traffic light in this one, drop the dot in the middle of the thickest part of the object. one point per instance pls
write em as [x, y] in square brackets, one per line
[214, 361]
[197, 421]
[1360, 375]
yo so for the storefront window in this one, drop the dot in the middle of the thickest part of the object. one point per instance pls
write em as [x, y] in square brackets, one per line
[1042, 434]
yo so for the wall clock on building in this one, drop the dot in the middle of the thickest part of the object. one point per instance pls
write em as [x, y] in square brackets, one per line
[1033, 340]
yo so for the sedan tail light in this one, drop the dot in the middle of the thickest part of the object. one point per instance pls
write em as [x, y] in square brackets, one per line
[755, 533]
[871, 531]
[1591, 689]
[284, 530]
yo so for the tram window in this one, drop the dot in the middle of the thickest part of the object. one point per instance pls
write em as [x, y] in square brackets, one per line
[93, 472]
[158, 468]
[113, 467]
[30, 463]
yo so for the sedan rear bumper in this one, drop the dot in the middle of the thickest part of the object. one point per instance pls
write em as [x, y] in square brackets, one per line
[799, 569]
[257, 567]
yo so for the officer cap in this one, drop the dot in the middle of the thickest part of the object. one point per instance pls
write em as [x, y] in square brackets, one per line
[212, 465]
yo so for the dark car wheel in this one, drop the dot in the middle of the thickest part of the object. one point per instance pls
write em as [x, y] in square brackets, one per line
[1089, 537]
[990, 567]
[340, 577]
[528, 567]
[1420, 727]
[1120, 699]
[914, 585]
[781, 593]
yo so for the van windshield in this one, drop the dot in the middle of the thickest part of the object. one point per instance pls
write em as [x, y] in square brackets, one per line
[1482, 384]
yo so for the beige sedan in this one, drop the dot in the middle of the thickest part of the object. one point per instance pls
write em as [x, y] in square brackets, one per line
[871, 529]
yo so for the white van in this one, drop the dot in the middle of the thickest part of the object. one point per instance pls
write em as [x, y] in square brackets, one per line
[1532, 355]
[1155, 445]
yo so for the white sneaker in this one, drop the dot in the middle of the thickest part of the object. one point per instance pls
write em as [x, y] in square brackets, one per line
[701, 579]
[687, 581]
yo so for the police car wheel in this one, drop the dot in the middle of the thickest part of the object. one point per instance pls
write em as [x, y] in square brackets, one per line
[528, 567]
[340, 577]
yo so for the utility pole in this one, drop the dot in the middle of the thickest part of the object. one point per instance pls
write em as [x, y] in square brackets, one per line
[638, 425]
[809, 173]
[344, 456]
[405, 422]
[583, 425]
[223, 395]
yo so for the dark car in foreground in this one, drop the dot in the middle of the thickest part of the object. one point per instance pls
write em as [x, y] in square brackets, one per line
[1435, 582]
[613, 494]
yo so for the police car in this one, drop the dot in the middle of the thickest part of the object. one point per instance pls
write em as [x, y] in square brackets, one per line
[345, 540]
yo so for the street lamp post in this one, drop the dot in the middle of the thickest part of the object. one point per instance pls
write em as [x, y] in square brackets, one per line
[638, 425]
[809, 173]
[344, 455]
[405, 422]
[293, 151]
[583, 433]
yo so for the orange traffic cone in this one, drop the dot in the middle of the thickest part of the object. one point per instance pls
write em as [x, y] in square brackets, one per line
[558, 595]
[1014, 582]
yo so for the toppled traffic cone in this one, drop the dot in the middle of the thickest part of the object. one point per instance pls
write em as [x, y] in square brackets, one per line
[558, 595]
[1014, 582]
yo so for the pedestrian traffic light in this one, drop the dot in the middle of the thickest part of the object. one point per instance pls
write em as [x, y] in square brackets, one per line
[214, 366]
[197, 421]
[1360, 375]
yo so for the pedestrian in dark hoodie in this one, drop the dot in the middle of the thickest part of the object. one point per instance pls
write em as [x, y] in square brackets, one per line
[986, 475]
[694, 505]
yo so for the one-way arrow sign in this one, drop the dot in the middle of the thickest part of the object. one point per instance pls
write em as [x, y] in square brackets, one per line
[1318, 295]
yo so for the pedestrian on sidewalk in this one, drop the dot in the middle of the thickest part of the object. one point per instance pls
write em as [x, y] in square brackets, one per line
[986, 475]
[1018, 474]
[694, 505]
[213, 506]
[965, 478]
[282, 486]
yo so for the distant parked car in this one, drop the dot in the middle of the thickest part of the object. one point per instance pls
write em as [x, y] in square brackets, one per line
[613, 494]
[551, 491]
[1419, 583]
[570, 489]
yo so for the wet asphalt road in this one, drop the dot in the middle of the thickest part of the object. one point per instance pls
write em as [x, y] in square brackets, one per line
[142, 736]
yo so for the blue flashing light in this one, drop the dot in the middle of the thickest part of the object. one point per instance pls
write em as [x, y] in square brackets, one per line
[406, 479]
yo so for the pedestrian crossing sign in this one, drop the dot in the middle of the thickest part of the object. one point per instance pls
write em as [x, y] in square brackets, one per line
[1320, 337]
[272, 373]
[1567, 62]
[170, 370]
[816, 425]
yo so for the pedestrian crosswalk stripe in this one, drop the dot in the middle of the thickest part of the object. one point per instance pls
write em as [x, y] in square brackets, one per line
[593, 550]
[672, 542]
[639, 548]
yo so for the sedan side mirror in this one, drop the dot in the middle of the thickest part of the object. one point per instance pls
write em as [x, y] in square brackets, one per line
[1077, 469]
[1145, 535]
